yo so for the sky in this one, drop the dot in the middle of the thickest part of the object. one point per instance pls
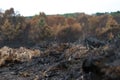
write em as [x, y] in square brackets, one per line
[32, 7]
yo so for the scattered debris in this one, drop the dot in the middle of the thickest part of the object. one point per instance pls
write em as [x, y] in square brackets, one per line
[60, 62]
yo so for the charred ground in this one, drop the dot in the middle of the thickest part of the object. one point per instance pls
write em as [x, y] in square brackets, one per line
[59, 47]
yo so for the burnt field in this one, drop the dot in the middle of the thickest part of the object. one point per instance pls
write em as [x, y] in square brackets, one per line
[69, 46]
[61, 61]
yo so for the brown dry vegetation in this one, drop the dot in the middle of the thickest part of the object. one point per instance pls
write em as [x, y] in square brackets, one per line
[20, 55]
[53, 47]
[26, 30]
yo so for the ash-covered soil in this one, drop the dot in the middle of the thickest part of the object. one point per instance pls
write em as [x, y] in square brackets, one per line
[64, 61]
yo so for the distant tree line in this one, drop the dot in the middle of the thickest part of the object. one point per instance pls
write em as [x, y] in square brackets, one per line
[17, 30]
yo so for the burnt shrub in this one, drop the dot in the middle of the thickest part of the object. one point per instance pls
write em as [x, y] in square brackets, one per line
[69, 34]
